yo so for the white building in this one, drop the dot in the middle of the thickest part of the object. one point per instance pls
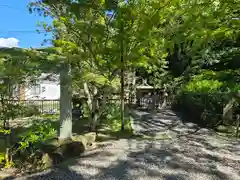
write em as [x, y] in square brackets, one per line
[47, 87]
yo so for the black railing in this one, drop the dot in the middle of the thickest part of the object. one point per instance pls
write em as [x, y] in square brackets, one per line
[41, 106]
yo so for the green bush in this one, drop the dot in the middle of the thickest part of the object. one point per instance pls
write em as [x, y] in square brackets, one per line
[204, 109]
[205, 95]
[112, 118]
[30, 110]
[32, 139]
[214, 82]
[2, 159]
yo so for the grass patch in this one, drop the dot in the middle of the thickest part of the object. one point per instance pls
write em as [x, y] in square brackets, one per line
[50, 116]
[22, 126]
[111, 129]
[110, 125]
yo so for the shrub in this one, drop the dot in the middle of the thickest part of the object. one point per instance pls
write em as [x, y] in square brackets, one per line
[204, 109]
[112, 118]
[205, 95]
[30, 110]
[2, 159]
[32, 139]
[214, 82]
[4, 156]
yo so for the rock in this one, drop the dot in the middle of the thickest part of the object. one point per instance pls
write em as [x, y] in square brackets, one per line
[47, 161]
[78, 138]
[55, 151]
[71, 149]
[221, 128]
[56, 158]
[90, 137]
[59, 150]
[53, 144]
[8, 172]
[50, 145]
[87, 139]
[4, 175]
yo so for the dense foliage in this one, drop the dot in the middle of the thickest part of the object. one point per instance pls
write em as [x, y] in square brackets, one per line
[225, 81]
[207, 94]
[191, 47]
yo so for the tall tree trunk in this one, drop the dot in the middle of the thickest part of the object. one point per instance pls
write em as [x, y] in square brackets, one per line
[122, 82]
[65, 130]
[94, 115]
[92, 103]
[133, 87]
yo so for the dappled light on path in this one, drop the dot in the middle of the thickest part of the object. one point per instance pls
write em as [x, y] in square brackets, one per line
[192, 153]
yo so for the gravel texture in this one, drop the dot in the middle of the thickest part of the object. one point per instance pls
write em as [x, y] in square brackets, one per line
[191, 154]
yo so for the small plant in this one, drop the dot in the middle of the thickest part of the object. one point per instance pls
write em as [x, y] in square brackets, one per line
[5, 161]
[30, 110]
[4, 131]
[112, 119]
[31, 140]
[2, 159]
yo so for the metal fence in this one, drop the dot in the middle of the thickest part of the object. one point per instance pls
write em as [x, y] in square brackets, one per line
[154, 101]
[43, 106]
[35, 107]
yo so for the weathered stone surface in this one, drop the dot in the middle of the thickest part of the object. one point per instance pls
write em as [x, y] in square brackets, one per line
[47, 161]
[4, 174]
[7, 172]
[71, 149]
[91, 138]
[87, 139]
[55, 151]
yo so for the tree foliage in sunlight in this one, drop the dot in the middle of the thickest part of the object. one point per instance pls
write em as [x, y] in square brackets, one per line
[170, 39]
[91, 39]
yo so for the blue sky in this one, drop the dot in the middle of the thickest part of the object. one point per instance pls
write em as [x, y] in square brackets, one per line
[18, 26]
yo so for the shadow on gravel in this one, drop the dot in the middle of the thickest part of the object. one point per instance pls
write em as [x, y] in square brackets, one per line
[167, 162]
[193, 156]
[56, 173]
[187, 159]
[150, 124]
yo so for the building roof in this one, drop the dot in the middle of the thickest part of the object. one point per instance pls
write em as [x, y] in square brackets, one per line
[49, 78]
[144, 85]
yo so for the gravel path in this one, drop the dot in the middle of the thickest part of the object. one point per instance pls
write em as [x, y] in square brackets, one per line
[191, 154]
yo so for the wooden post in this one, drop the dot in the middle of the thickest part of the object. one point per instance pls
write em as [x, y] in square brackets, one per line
[42, 106]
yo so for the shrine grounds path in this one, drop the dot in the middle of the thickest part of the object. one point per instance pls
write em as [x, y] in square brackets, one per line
[171, 150]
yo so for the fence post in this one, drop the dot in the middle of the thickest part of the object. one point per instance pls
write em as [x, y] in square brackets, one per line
[42, 106]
